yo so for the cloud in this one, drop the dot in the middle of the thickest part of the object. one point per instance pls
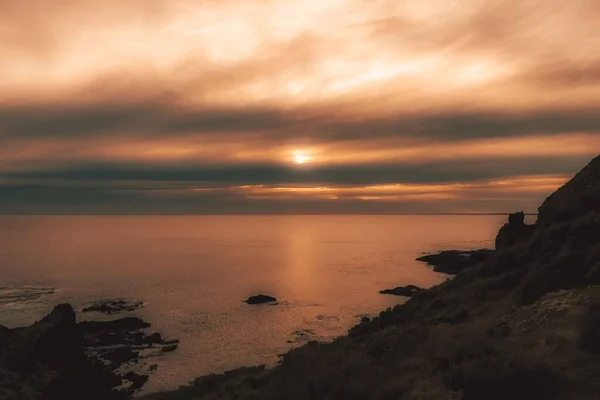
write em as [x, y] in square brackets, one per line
[564, 74]
[347, 174]
[105, 101]
[160, 119]
[113, 118]
[494, 196]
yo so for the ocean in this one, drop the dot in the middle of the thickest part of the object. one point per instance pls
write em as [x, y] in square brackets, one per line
[193, 273]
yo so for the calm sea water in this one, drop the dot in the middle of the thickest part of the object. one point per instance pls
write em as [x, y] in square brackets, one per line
[194, 271]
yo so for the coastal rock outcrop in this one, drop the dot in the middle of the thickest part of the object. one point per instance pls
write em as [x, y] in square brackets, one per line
[406, 291]
[514, 231]
[453, 261]
[115, 306]
[58, 358]
[48, 340]
[47, 361]
[260, 299]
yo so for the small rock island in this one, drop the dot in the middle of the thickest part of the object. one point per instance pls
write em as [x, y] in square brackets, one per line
[260, 299]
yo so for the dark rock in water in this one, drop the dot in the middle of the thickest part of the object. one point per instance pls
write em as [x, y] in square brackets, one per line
[119, 356]
[114, 306]
[260, 299]
[303, 335]
[117, 343]
[407, 291]
[122, 324]
[137, 380]
[101, 337]
[513, 232]
[454, 261]
[15, 294]
[154, 338]
[169, 348]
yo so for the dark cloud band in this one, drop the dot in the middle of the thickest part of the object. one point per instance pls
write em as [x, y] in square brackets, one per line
[273, 174]
[163, 121]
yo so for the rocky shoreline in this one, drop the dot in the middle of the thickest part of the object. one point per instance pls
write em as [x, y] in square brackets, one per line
[114, 306]
[59, 358]
[519, 322]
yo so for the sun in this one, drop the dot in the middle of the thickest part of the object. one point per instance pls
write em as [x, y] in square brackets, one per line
[301, 157]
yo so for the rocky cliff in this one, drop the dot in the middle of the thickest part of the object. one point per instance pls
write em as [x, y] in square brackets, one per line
[580, 196]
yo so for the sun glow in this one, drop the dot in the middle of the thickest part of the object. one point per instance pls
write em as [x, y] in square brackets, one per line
[301, 157]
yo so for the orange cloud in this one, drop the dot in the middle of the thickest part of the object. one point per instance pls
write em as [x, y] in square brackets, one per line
[404, 192]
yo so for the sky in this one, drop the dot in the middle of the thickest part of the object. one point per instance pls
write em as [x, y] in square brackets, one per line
[294, 106]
